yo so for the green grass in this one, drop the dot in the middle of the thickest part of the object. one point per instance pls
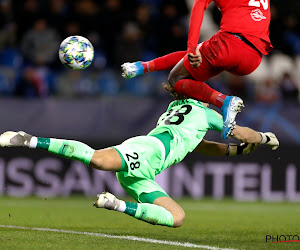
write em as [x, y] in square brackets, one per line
[214, 223]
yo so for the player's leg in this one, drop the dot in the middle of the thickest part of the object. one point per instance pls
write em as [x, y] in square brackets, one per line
[164, 211]
[166, 62]
[238, 51]
[156, 206]
[107, 159]
[198, 89]
[104, 159]
[184, 83]
[143, 157]
[174, 208]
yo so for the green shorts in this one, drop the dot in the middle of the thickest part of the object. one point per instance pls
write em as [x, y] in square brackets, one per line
[144, 157]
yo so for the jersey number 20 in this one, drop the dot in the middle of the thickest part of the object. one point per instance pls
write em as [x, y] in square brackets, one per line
[256, 3]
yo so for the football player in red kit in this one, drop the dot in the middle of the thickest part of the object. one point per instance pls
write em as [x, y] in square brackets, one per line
[237, 48]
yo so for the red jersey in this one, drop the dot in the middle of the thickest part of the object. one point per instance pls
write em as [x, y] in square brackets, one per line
[249, 18]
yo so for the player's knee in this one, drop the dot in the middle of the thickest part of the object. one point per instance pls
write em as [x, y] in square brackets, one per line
[173, 78]
[107, 159]
[100, 160]
[178, 73]
[97, 160]
[179, 218]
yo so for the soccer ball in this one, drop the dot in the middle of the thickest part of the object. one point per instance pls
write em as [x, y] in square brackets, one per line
[76, 52]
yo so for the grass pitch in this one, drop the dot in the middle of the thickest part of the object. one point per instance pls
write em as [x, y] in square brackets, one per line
[224, 224]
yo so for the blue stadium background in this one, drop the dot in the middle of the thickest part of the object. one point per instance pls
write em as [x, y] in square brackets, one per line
[98, 106]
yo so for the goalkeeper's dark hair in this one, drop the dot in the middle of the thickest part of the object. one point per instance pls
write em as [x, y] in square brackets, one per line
[173, 93]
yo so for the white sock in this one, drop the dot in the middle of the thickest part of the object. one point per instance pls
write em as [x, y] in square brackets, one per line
[122, 206]
[33, 142]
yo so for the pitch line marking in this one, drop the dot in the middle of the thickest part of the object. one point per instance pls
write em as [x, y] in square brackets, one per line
[123, 237]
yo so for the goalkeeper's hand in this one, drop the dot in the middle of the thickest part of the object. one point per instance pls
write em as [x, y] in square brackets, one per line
[241, 149]
[269, 139]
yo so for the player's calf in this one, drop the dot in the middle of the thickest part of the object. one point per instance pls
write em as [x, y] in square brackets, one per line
[70, 149]
[151, 213]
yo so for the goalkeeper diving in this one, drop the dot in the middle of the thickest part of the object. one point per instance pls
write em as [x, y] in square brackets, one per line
[179, 131]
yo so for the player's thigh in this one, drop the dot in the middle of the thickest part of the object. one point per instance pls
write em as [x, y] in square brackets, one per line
[205, 71]
[173, 207]
[142, 155]
[226, 52]
[245, 66]
[142, 189]
[239, 58]
[107, 159]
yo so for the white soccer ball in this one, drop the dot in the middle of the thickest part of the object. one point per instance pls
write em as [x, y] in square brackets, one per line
[76, 52]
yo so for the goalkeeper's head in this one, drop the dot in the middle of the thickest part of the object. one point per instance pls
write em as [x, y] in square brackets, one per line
[173, 93]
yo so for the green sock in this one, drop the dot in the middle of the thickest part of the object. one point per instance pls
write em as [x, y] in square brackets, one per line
[74, 150]
[150, 213]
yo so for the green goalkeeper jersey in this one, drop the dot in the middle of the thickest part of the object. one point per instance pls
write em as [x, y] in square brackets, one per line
[187, 121]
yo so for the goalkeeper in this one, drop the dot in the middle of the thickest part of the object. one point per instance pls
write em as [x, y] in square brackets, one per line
[179, 131]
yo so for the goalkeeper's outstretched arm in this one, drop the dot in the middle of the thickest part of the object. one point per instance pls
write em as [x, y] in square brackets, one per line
[250, 140]
[248, 135]
[211, 148]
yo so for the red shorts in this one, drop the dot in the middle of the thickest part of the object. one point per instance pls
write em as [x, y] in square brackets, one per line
[226, 52]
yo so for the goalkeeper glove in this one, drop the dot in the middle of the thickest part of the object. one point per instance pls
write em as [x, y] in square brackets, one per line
[242, 149]
[269, 139]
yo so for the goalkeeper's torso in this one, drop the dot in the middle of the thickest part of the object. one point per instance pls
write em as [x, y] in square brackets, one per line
[187, 122]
